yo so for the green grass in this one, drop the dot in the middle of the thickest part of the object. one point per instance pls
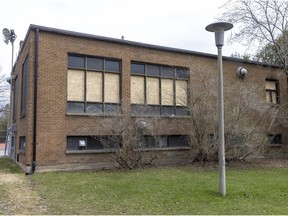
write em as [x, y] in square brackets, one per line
[8, 165]
[164, 191]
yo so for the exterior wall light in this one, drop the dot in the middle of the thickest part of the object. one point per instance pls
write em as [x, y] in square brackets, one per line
[142, 124]
[241, 72]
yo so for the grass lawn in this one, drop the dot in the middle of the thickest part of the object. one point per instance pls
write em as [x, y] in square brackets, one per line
[164, 191]
[7, 165]
[177, 190]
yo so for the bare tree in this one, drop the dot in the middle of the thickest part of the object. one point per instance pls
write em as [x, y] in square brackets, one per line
[4, 91]
[4, 103]
[260, 23]
[248, 118]
[202, 109]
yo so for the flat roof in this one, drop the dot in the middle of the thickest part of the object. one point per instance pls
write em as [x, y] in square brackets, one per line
[139, 44]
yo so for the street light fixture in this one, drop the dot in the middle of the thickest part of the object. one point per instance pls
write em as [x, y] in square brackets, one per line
[219, 28]
[10, 36]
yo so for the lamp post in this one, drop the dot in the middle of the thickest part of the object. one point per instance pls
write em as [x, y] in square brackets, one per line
[9, 36]
[219, 28]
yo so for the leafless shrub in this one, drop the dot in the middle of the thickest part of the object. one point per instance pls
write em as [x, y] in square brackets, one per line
[133, 141]
[247, 118]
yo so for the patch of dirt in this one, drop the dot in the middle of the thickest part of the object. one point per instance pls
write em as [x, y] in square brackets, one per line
[265, 162]
[19, 197]
[8, 178]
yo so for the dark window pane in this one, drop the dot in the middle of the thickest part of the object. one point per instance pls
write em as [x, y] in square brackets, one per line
[154, 142]
[153, 70]
[137, 109]
[178, 141]
[94, 143]
[275, 139]
[22, 144]
[76, 143]
[163, 141]
[112, 109]
[167, 72]
[182, 73]
[145, 110]
[24, 87]
[138, 68]
[94, 108]
[15, 100]
[149, 142]
[111, 142]
[167, 111]
[76, 62]
[182, 111]
[112, 65]
[153, 110]
[95, 63]
[75, 107]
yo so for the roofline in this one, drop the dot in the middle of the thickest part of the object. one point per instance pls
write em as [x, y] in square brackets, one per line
[139, 44]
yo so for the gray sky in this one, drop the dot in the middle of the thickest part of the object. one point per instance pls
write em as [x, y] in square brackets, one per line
[172, 23]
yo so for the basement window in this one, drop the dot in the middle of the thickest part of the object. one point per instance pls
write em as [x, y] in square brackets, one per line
[275, 139]
[165, 142]
[92, 143]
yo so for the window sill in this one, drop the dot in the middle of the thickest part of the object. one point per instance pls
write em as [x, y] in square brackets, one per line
[89, 151]
[275, 145]
[273, 104]
[162, 116]
[164, 149]
[93, 114]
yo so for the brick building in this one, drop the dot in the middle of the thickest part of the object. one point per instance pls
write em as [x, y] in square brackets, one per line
[67, 84]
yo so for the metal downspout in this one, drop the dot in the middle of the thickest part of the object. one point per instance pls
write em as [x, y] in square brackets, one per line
[33, 167]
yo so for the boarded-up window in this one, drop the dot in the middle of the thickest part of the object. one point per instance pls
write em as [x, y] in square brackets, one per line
[112, 88]
[160, 89]
[181, 93]
[137, 90]
[167, 92]
[94, 87]
[153, 87]
[75, 85]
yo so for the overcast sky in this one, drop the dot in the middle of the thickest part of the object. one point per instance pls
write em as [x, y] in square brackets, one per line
[172, 23]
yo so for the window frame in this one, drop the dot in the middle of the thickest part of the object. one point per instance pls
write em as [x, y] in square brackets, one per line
[164, 74]
[24, 83]
[90, 141]
[271, 91]
[168, 145]
[15, 98]
[274, 138]
[22, 144]
[105, 106]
